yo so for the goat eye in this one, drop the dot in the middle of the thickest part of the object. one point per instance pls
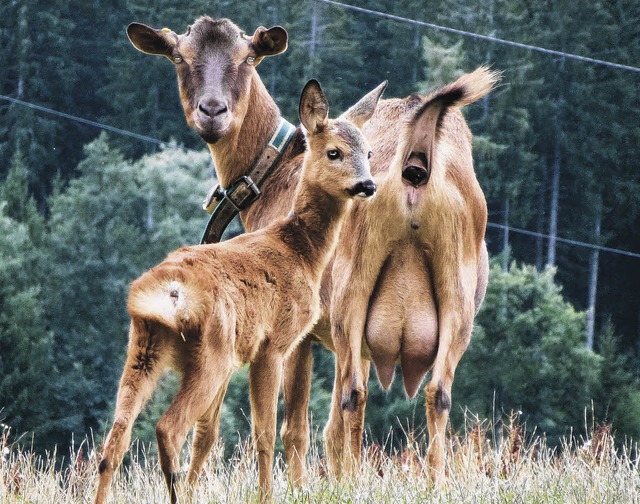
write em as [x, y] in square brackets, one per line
[177, 59]
[369, 155]
[333, 154]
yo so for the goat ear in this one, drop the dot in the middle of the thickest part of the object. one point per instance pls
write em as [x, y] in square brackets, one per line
[269, 42]
[314, 109]
[152, 41]
[362, 111]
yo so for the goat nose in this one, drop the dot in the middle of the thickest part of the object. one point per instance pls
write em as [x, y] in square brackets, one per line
[363, 189]
[212, 107]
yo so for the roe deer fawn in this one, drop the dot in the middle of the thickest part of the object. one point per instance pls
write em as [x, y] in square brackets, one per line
[207, 309]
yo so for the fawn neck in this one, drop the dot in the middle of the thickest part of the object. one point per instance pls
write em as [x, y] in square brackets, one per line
[313, 228]
[255, 121]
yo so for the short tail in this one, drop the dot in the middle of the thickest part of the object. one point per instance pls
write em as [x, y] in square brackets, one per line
[172, 303]
[467, 89]
[423, 128]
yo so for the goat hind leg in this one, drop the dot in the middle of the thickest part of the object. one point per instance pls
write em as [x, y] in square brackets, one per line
[454, 338]
[142, 370]
[296, 388]
[354, 424]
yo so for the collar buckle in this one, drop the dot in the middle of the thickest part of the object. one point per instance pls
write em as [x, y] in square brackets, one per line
[241, 194]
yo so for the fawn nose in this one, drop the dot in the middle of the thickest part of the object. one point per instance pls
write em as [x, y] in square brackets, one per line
[211, 107]
[363, 189]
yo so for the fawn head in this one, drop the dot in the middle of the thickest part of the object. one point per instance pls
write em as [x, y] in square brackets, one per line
[338, 154]
[214, 60]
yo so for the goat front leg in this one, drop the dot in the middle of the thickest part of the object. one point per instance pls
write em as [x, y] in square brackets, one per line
[296, 388]
[142, 369]
[334, 430]
[195, 396]
[455, 319]
[354, 275]
[265, 374]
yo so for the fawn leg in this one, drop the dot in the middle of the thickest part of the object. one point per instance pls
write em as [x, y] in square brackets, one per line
[142, 369]
[205, 436]
[197, 392]
[296, 389]
[265, 374]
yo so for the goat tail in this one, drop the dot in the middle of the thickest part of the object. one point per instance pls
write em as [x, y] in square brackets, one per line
[424, 127]
[173, 303]
[467, 89]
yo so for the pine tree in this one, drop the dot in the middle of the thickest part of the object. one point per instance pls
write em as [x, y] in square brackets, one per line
[26, 366]
[110, 224]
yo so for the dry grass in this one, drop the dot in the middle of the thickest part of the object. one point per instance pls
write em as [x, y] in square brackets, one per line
[485, 465]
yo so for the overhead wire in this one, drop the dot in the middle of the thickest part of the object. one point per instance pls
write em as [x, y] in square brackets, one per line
[82, 120]
[487, 38]
[564, 240]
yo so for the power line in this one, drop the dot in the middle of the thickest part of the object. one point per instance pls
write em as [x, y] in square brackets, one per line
[481, 37]
[565, 240]
[83, 120]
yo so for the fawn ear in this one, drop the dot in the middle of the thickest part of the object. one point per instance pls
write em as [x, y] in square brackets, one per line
[362, 111]
[269, 42]
[152, 41]
[314, 109]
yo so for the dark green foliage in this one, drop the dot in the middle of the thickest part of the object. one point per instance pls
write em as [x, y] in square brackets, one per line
[26, 367]
[619, 400]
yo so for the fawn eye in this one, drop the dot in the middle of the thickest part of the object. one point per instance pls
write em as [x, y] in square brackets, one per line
[369, 155]
[177, 58]
[333, 154]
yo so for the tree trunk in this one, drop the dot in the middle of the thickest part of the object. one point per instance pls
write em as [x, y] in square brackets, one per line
[555, 172]
[313, 40]
[593, 279]
[505, 236]
[553, 210]
[540, 218]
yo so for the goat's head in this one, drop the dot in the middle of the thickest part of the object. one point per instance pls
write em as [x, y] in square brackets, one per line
[214, 60]
[338, 153]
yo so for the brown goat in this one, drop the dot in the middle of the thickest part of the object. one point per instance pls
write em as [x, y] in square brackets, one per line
[439, 223]
[207, 309]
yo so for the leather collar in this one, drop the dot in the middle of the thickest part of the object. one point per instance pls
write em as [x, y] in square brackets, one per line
[224, 204]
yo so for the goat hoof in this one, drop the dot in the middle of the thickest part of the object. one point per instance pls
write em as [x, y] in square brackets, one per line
[350, 401]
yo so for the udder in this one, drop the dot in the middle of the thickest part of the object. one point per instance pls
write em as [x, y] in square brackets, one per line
[402, 322]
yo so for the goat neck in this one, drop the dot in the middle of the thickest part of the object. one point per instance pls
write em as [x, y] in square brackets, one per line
[250, 131]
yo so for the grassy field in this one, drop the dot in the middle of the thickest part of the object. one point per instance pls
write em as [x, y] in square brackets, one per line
[481, 469]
